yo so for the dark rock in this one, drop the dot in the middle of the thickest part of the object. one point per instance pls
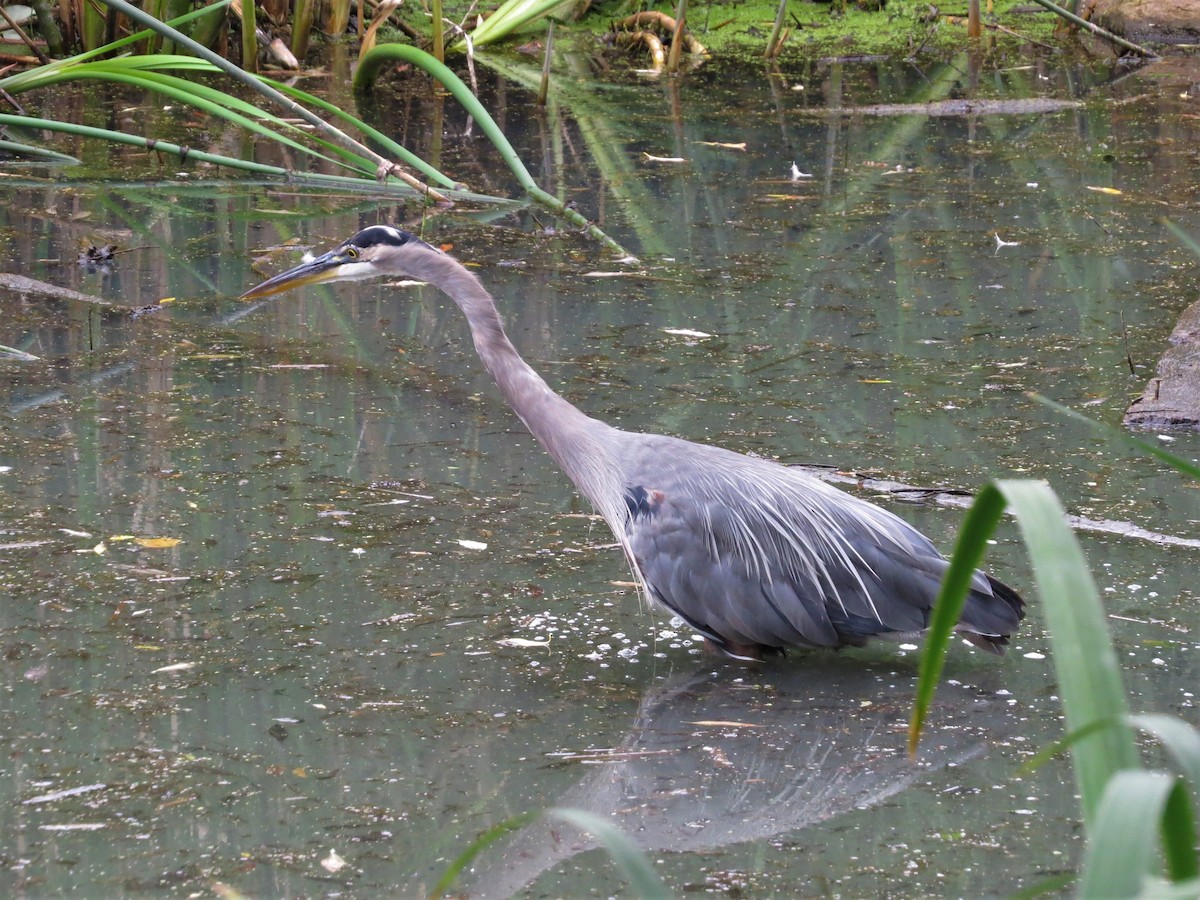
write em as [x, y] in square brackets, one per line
[1172, 398]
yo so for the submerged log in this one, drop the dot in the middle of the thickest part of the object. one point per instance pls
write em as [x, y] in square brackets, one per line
[23, 285]
[1172, 397]
[981, 107]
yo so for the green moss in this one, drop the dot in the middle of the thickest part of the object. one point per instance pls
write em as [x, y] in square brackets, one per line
[739, 30]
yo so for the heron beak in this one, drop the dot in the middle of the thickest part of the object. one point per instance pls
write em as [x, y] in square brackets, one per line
[326, 267]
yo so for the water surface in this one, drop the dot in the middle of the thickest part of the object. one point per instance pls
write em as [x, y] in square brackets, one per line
[305, 651]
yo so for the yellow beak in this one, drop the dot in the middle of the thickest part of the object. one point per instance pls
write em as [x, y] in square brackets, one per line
[323, 268]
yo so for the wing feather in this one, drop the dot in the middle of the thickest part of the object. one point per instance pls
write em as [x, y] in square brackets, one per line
[751, 552]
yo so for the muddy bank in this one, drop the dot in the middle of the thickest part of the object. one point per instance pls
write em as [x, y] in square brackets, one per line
[1150, 21]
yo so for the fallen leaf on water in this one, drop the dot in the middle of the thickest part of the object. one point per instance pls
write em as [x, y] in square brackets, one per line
[687, 332]
[156, 543]
[472, 545]
[333, 863]
[1105, 190]
[175, 667]
[300, 772]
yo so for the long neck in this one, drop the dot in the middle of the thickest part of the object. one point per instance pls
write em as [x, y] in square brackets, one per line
[579, 444]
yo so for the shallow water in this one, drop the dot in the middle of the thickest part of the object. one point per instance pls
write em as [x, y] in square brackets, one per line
[317, 664]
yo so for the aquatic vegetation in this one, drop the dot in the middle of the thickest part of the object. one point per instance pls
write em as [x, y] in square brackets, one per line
[1125, 805]
[331, 145]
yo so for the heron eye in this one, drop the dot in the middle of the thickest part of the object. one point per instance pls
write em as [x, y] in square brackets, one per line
[352, 253]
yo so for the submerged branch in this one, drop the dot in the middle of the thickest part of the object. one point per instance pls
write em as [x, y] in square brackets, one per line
[982, 107]
[185, 153]
[962, 499]
[21, 284]
[1096, 29]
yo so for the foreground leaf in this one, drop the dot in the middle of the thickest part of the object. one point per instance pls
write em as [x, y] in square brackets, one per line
[1086, 666]
[643, 880]
[1123, 848]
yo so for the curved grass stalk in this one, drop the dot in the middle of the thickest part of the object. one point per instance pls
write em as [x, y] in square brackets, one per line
[40, 152]
[208, 100]
[594, 114]
[118, 69]
[145, 71]
[341, 182]
[373, 133]
[109, 49]
[120, 137]
[335, 134]
[368, 71]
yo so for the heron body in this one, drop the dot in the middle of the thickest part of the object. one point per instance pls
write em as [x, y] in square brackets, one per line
[754, 555]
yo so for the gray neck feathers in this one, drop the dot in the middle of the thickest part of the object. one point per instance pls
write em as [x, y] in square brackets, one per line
[585, 448]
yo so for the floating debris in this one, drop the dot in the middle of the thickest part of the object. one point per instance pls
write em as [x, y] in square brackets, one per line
[63, 794]
[522, 642]
[333, 863]
[175, 667]
[687, 332]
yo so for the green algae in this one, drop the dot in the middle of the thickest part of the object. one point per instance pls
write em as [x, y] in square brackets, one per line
[740, 30]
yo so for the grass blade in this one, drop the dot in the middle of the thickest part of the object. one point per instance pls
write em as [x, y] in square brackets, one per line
[477, 846]
[1088, 675]
[1061, 746]
[1179, 465]
[1122, 848]
[1085, 663]
[978, 526]
[1181, 740]
[1163, 890]
[1178, 827]
[643, 880]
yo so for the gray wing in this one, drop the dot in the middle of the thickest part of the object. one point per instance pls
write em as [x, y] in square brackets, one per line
[754, 554]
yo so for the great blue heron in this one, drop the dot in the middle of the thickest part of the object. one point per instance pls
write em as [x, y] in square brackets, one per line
[755, 556]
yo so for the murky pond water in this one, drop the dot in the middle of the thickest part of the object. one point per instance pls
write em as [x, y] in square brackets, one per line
[249, 619]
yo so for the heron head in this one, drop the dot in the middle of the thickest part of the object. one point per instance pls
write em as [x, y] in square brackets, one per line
[378, 250]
